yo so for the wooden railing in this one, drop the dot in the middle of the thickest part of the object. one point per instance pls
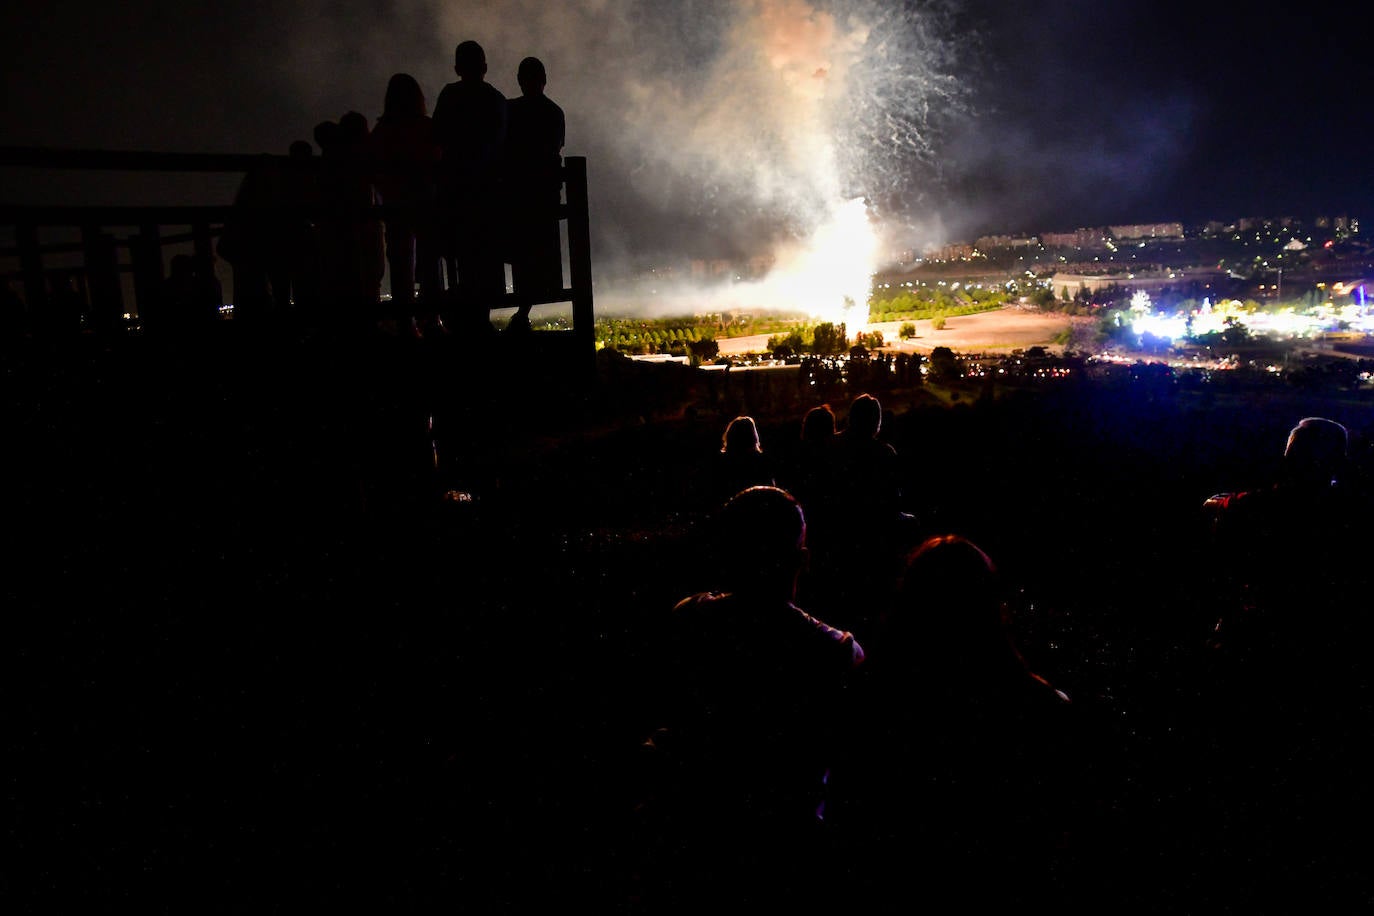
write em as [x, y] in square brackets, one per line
[101, 268]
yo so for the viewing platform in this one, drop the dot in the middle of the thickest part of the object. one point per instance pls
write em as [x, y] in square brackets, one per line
[110, 264]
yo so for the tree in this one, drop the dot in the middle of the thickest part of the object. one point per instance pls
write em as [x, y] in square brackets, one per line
[943, 364]
[829, 339]
[792, 342]
[1235, 334]
[906, 331]
[703, 350]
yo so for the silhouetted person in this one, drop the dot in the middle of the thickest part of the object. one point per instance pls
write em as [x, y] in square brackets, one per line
[861, 532]
[209, 290]
[1291, 703]
[250, 241]
[754, 705]
[331, 227]
[1282, 550]
[352, 258]
[535, 135]
[811, 477]
[740, 463]
[269, 241]
[818, 427]
[191, 298]
[405, 150]
[295, 272]
[179, 293]
[470, 125]
[365, 278]
[14, 315]
[869, 472]
[967, 778]
[65, 308]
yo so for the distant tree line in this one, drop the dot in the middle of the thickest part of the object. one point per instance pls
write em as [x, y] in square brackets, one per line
[922, 302]
[795, 332]
[674, 336]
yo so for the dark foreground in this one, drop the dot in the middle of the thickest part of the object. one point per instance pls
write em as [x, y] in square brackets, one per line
[256, 660]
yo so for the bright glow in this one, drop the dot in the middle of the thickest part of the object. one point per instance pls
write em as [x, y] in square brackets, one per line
[828, 276]
[779, 128]
[1284, 323]
[1170, 327]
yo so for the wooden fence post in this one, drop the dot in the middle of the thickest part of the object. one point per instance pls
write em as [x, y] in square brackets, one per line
[148, 271]
[102, 280]
[580, 260]
[31, 267]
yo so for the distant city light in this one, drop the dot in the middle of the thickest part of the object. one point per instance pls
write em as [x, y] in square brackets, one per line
[1285, 323]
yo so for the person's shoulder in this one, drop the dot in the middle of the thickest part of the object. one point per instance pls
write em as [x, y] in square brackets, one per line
[1244, 505]
[700, 603]
[443, 111]
[1047, 693]
[841, 642]
[698, 619]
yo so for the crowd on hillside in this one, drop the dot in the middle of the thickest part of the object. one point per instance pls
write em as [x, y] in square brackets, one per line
[909, 753]
[896, 751]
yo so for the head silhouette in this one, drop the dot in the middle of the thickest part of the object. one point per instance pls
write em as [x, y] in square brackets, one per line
[818, 426]
[352, 128]
[865, 417]
[741, 436]
[950, 609]
[470, 61]
[327, 136]
[404, 97]
[762, 538]
[1316, 453]
[301, 149]
[531, 76]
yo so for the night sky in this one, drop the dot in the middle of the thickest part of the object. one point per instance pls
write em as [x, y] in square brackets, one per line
[1009, 117]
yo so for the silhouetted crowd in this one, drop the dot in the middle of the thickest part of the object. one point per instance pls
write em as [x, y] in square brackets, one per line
[468, 189]
[896, 750]
[903, 753]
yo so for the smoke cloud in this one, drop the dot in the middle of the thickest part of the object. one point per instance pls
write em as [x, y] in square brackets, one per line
[796, 136]
[729, 129]
[739, 131]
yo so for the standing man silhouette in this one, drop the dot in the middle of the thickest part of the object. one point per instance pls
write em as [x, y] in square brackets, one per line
[470, 127]
[534, 176]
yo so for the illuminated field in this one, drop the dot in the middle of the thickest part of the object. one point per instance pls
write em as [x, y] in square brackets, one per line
[1002, 329]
